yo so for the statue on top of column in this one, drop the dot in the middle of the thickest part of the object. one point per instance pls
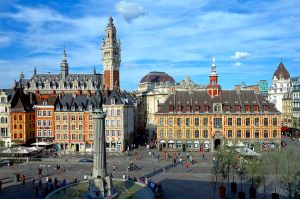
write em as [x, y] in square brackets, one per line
[99, 100]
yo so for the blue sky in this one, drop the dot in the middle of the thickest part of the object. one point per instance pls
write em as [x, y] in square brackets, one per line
[180, 37]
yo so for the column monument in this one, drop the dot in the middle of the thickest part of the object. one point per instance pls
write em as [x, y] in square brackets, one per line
[100, 184]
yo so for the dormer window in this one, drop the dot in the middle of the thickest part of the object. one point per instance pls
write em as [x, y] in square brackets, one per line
[90, 108]
[179, 108]
[266, 108]
[58, 108]
[247, 107]
[64, 108]
[170, 108]
[196, 108]
[80, 108]
[237, 108]
[73, 108]
[113, 101]
[189, 108]
[256, 109]
[205, 108]
[217, 107]
[227, 108]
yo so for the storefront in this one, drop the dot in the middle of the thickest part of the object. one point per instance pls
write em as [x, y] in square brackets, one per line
[196, 145]
[179, 145]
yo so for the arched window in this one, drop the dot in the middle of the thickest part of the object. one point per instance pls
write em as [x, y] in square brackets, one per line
[107, 35]
[2, 120]
[20, 126]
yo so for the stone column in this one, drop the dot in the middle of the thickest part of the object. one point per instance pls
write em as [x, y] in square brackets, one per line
[99, 145]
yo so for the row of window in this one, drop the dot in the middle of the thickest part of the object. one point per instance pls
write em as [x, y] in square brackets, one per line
[217, 108]
[112, 133]
[73, 117]
[112, 123]
[44, 123]
[44, 113]
[217, 122]
[31, 117]
[204, 134]
[72, 137]
[45, 133]
[72, 127]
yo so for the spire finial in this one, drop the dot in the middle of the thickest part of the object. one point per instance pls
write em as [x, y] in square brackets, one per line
[213, 67]
[94, 70]
[281, 60]
[34, 71]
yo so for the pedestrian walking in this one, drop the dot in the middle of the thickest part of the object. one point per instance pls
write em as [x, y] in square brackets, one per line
[47, 179]
[174, 161]
[191, 159]
[33, 181]
[164, 169]
[40, 183]
[157, 157]
[187, 156]
[114, 168]
[23, 179]
[180, 160]
[203, 157]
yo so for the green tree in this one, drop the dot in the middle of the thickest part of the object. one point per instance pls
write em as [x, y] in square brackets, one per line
[290, 173]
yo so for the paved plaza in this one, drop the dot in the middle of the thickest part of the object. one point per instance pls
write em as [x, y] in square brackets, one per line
[177, 181]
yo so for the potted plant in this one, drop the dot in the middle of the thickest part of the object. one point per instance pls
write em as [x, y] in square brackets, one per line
[242, 173]
[223, 171]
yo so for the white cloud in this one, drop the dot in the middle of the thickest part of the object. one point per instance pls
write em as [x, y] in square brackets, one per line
[129, 10]
[239, 55]
[238, 64]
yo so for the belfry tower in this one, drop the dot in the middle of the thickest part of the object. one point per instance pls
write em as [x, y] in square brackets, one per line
[111, 57]
[213, 88]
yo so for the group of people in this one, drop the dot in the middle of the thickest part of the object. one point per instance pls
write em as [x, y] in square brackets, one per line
[41, 191]
[156, 188]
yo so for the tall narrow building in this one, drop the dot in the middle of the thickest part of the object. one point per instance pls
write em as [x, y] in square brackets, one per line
[111, 57]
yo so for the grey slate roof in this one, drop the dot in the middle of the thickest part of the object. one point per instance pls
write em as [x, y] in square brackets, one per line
[82, 102]
[229, 98]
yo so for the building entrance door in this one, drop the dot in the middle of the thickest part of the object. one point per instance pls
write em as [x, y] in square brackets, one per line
[217, 144]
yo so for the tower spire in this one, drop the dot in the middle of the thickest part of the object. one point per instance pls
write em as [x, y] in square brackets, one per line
[111, 57]
[64, 66]
[213, 67]
[213, 88]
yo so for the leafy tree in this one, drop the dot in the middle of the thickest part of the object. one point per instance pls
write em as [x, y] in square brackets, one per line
[254, 170]
[290, 174]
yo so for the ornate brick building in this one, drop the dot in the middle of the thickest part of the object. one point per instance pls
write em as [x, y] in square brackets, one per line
[111, 57]
[205, 119]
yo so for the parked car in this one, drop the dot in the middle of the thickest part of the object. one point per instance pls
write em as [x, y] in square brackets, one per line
[86, 160]
[6, 162]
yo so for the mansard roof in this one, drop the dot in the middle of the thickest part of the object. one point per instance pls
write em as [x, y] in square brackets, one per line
[73, 102]
[229, 98]
[51, 100]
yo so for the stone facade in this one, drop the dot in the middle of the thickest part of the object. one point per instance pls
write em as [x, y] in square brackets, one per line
[281, 84]
[205, 119]
[5, 135]
[287, 110]
[64, 82]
